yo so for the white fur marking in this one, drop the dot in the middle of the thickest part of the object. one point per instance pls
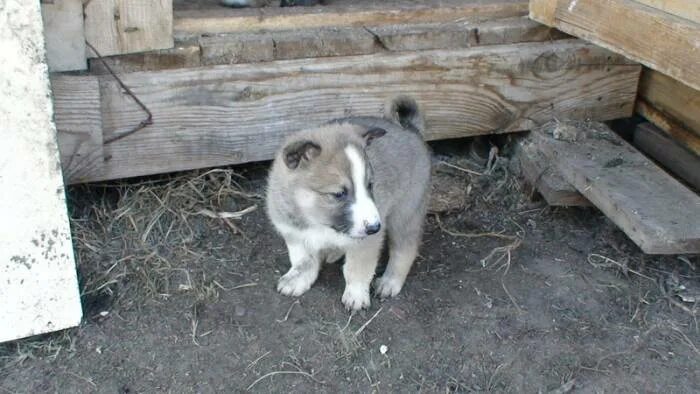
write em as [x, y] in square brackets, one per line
[364, 211]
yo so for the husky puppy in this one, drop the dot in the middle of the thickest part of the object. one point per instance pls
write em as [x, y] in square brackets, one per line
[342, 188]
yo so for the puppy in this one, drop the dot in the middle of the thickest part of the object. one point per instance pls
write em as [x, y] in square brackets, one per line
[342, 188]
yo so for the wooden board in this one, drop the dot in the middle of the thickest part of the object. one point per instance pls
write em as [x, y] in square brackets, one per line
[655, 143]
[464, 34]
[78, 118]
[234, 48]
[678, 101]
[545, 178]
[64, 34]
[181, 56]
[221, 20]
[210, 116]
[628, 187]
[659, 40]
[688, 9]
[39, 286]
[670, 126]
[126, 26]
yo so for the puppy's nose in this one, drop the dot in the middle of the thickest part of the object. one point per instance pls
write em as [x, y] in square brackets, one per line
[372, 228]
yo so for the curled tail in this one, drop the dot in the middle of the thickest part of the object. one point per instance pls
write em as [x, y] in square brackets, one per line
[405, 111]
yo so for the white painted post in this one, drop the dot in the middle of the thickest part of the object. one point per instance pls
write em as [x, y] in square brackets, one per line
[38, 284]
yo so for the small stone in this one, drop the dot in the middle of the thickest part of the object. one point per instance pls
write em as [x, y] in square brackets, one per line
[239, 311]
[383, 349]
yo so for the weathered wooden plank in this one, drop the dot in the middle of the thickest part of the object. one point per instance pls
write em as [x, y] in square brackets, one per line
[629, 188]
[463, 34]
[676, 100]
[681, 162]
[220, 20]
[126, 26]
[234, 48]
[688, 9]
[64, 34]
[543, 176]
[39, 288]
[218, 115]
[78, 119]
[238, 48]
[671, 127]
[659, 40]
[181, 56]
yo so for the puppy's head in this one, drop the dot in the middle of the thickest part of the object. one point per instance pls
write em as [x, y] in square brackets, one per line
[330, 178]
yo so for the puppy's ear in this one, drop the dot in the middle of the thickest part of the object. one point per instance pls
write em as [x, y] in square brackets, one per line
[300, 152]
[372, 133]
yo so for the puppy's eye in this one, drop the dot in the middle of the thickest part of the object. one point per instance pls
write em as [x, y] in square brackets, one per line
[341, 195]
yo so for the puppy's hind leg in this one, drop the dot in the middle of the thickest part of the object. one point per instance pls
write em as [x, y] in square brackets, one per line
[360, 263]
[304, 270]
[403, 249]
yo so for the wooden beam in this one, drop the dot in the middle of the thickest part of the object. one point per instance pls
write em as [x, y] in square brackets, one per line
[218, 115]
[237, 48]
[78, 118]
[628, 187]
[462, 34]
[669, 126]
[661, 41]
[126, 26]
[681, 162]
[678, 101]
[221, 20]
[181, 56]
[545, 178]
[688, 9]
[64, 35]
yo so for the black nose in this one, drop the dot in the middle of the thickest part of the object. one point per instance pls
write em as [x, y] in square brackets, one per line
[373, 228]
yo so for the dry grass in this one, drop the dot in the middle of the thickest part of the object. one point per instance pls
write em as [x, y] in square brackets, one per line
[149, 242]
[136, 241]
[47, 347]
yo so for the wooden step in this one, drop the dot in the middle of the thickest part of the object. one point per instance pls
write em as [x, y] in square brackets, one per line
[656, 211]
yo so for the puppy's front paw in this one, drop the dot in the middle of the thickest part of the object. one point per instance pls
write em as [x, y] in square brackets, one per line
[386, 287]
[295, 283]
[356, 297]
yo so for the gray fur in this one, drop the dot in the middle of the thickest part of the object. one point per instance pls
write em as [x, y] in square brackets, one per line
[399, 163]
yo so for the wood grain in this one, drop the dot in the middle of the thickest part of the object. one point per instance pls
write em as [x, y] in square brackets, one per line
[659, 40]
[625, 186]
[688, 9]
[676, 100]
[545, 178]
[669, 126]
[64, 35]
[235, 48]
[126, 26]
[180, 56]
[219, 115]
[78, 118]
[220, 20]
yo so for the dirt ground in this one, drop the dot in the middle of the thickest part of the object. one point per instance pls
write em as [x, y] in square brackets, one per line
[509, 295]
